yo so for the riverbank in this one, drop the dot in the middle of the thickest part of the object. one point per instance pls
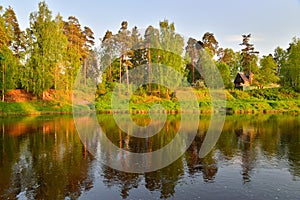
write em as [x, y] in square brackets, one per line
[237, 102]
[275, 100]
[37, 108]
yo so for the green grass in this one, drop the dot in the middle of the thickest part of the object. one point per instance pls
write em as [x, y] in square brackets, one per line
[254, 101]
[35, 108]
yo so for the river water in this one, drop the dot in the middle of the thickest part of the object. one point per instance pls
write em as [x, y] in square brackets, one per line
[256, 157]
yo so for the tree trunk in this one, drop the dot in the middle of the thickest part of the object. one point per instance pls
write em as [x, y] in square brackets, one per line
[149, 68]
[3, 82]
[110, 70]
[121, 69]
[127, 74]
[84, 71]
[43, 82]
[193, 70]
[55, 77]
[127, 78]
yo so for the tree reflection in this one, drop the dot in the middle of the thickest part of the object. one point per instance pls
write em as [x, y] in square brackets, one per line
[48, 160]
[43, 158]
[163, 180]
[245, 137]
[126, 181]
[166, 179]
[289, 128]
[207, 165]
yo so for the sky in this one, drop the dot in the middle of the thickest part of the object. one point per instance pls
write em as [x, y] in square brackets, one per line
[272, 23]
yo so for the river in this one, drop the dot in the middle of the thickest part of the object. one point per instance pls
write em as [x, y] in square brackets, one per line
[255, 157]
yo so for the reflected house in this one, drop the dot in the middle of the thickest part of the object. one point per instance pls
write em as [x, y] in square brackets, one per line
[192, 157]
[242, 81]
[246, 134]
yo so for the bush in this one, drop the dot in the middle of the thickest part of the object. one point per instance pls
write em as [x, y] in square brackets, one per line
[267, 94]
[101, 89]
[238, 94]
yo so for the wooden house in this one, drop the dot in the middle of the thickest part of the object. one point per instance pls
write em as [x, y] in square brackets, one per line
[241, 80]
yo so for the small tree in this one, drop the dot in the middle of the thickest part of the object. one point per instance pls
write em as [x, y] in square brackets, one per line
[267, 74]
[224, 70]
[293, 64]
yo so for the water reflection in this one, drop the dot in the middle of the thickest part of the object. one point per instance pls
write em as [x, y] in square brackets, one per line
[44, 158]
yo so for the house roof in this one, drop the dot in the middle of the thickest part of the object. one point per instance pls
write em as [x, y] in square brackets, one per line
[245, 79]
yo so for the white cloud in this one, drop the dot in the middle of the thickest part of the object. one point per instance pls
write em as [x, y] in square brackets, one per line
[233, 38]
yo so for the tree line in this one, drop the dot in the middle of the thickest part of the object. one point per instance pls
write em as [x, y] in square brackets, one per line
[51, 51]
[47, 55]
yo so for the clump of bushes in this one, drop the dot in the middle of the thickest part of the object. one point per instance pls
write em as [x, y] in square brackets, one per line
[267, 94]
[274, 94]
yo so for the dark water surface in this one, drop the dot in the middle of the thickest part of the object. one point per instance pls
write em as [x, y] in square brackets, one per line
[256, 157]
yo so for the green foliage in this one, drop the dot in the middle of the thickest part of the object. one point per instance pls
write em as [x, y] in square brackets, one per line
[230, 58]
[267, 94]
[37, 108]
[274, 94]
[3, 34]
[42, 50]
[56, 51]
[8, 70]
[267, 74]
[280, 56]
[51, 52]
[293, 64]
[225, 73]
[16, 37]
[210, 42]
[278, 99]
[8, 62]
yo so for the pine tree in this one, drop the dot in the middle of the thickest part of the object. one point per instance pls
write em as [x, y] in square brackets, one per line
[192, 56]
[15, 35]
[249, 56]
[124, 41]
[209, 41]
[75, 49]
[3, 35]
[87, 49]
[107, 54]
[150, 39]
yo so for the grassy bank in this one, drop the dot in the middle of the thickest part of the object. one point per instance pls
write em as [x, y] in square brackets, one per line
[35, 108]
[237, 102]
[273, 100]
[264, 101]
